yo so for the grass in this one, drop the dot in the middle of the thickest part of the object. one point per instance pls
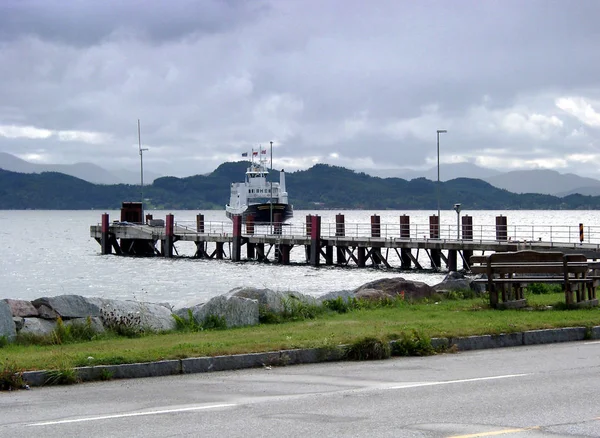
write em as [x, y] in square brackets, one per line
[397, 321]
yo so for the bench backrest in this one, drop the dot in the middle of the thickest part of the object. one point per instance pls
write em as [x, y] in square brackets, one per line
[529, 262]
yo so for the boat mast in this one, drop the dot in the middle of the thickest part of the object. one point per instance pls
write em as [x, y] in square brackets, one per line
[141, 167]
[271, 181]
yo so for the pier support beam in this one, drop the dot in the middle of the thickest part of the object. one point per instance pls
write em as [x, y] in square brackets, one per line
[434, 233]
[340, 231]
[467, 234]
[315, 240]
[376, 232]
[219, 252]
[105, 246]
[329, 255]
[167, 243]
[307, 249]
[200, 223]
[283, 254]
[361, 255]
[452, 260]
[405, 253]
[236, 242]
[501, 228]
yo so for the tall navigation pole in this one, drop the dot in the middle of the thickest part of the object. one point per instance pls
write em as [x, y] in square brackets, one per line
[141, 168]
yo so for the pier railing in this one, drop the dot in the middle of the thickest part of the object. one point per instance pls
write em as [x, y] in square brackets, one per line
[570, 234]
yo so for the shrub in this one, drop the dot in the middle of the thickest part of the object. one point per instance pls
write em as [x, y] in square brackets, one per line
[412, 344]
[74, 332]
[61, 376]
[10, 377]
[298, 310]
[129, 325]
[3, 341]
[187, 324]
[368, 348]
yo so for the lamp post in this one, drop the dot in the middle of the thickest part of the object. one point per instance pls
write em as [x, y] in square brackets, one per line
[457, 209]
[439, 131]
[141, 168]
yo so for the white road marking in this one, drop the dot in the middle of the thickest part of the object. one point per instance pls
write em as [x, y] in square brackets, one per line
[449, 382]
[132, 414]
[591, 343]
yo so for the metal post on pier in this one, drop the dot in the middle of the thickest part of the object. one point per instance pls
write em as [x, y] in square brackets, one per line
[167, 243]
[405, 253]
[340, 231]
[315, 240]
[236, 243]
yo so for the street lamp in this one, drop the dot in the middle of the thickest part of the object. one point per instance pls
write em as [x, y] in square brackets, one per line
[439, 131]
[457, 210]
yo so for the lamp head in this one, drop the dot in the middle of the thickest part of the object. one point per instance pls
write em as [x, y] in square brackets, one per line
[441, 131]
[457, 208]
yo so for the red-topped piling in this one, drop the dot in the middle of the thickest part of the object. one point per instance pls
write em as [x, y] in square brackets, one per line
[467, 234]
[236, 243]
[167, 243]
[315, 240]
[501, 228]
[105, 246]
[434, 233]
[405, 253]
[340, 225]
[250, 224]
[375, 226]
[200, 223]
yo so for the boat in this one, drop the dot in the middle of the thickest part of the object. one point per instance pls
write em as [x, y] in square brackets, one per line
[266, 201]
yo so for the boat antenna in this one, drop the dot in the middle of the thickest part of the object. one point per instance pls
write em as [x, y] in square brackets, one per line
[141, 167]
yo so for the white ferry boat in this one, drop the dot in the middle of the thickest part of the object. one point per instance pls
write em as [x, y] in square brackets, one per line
[258, 197]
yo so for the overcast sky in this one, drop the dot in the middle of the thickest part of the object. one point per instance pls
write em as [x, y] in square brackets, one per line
[356, 83]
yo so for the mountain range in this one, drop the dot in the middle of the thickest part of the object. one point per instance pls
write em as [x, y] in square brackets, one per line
[320, 187]
[540, 181]
[86, 171]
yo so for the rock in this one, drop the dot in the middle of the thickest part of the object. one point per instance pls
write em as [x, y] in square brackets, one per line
[139, 315]
[453, 275]
[69, 306]
[268, 299]
[345, 295]
[19, 321]
[46, 312]
[453, 284]
[271, 300]
[372, 294]
[7, 325]
[412, 290]
[237, 311]
[37, 327]
[21, 308]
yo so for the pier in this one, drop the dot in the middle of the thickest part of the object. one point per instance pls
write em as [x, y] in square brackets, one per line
[400, 245]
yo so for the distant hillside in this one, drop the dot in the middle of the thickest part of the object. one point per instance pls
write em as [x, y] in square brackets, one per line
[545, 181]
[447, 172]
[85, 171]
[320, 187]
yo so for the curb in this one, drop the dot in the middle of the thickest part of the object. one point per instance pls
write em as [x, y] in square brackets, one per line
[306, 356]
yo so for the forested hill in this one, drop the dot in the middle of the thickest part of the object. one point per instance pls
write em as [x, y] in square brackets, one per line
[320, 187]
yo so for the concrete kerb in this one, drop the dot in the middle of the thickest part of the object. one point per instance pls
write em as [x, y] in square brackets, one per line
[306, 356]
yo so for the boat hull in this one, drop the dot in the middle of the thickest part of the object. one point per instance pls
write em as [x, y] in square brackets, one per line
[262, 212]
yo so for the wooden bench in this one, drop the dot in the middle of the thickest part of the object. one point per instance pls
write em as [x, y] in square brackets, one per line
[510, 272]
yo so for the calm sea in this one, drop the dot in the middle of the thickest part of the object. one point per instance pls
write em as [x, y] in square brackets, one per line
[49, 253]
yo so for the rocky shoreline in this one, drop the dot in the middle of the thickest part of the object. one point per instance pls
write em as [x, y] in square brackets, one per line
[238, 307]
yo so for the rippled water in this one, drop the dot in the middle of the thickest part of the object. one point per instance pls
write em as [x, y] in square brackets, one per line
[48, 253]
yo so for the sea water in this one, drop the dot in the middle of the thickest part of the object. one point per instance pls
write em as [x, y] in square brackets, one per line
[49, 253]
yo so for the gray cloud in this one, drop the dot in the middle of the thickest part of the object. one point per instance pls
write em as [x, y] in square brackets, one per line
[359, 84]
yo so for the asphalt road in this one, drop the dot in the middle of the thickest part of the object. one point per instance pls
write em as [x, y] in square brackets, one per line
[541, 391]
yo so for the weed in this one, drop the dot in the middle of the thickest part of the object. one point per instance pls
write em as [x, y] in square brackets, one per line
[3, 341]
[10, 377]
[214, 322]
[128, 325]
[368, 348]
[412, 344]
[74, 332]
[61, 376]
[189, 324]
[298, 310]
[106, 374]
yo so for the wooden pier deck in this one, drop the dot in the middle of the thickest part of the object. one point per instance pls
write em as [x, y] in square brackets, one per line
[374, 244]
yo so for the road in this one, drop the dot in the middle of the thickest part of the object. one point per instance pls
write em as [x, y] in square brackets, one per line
[540, 391]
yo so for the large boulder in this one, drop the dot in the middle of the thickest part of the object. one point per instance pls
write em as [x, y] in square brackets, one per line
[21, 308]
[271, 300]
[236, 311]
[37, 327]
[7, 325]
[68, 306]
[134, 314]
[455, 281]
[411, 290]
[345, 295]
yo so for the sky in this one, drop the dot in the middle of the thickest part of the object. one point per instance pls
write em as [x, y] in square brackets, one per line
[353, 83]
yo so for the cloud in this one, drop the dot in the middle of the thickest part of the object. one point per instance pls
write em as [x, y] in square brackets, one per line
[333, 81]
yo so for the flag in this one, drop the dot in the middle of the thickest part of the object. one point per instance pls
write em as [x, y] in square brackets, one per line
[254, 153]
[264, 151]
[245, 154]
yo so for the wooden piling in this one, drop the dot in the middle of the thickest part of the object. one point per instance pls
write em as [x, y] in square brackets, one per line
[405, 253]
[167, 243]
[501, 228]
[434, 233]
[315, 240]
[236, 243]
[200, 223]
[277, 222]
[105, 246]
[340, 231]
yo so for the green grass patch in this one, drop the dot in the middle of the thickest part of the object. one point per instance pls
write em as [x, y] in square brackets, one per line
[410, 323]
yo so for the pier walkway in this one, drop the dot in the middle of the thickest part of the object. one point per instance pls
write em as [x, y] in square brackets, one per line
[371, 244]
